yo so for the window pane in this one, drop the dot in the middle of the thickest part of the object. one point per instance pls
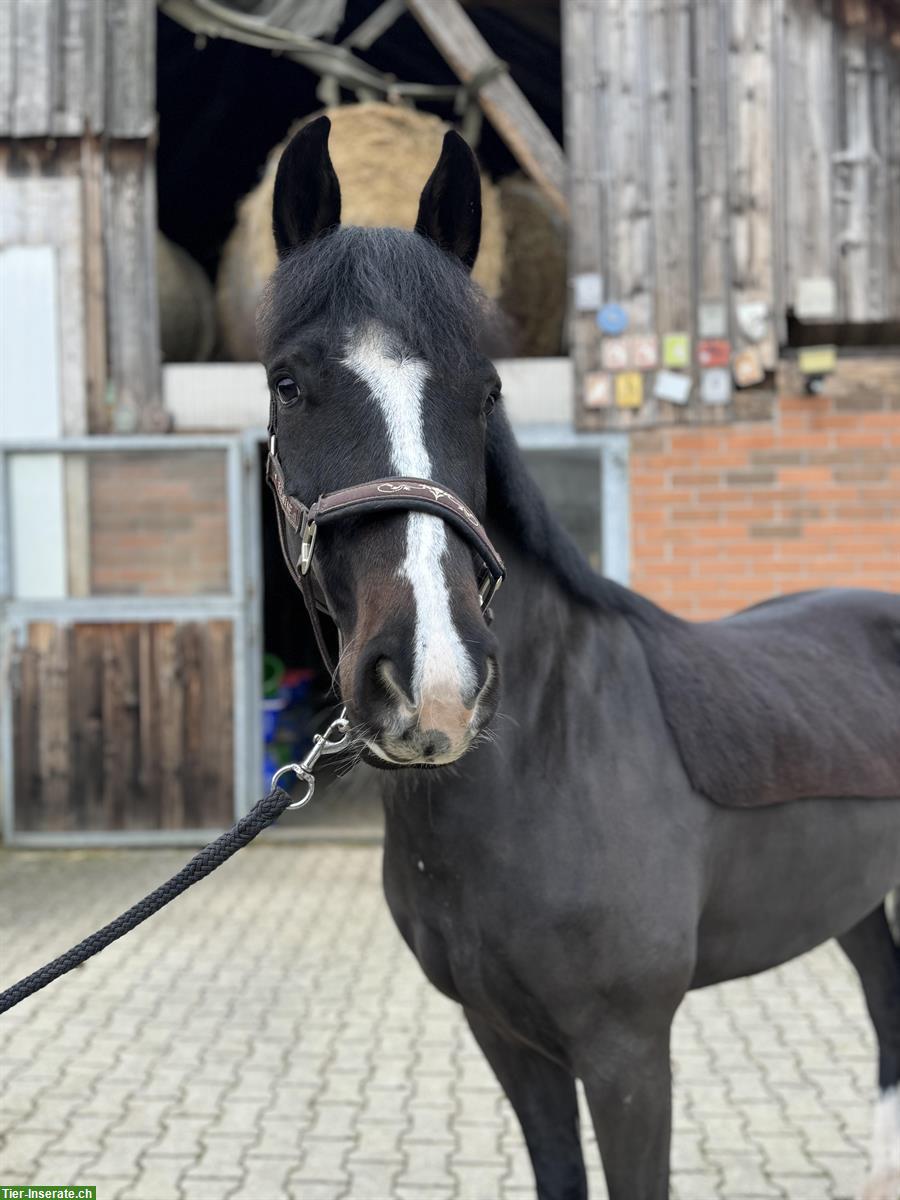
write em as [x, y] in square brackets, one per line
[570, 481]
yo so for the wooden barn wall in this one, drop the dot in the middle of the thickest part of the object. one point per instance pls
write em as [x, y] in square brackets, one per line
[124, 726]
[74, 67]
[731, 153]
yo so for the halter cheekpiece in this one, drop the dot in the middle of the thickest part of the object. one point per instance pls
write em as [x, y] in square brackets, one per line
[299, 524]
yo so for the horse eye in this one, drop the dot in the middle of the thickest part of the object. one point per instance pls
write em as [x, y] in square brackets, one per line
[287, 390]
[491, 399]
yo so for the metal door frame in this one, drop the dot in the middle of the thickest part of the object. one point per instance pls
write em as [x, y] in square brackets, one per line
[235, 605]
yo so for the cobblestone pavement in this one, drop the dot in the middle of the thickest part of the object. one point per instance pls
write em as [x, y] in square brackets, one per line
[270, 1036]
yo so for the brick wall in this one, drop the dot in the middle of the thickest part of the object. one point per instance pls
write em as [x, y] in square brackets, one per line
[158, 523]
[725, 516]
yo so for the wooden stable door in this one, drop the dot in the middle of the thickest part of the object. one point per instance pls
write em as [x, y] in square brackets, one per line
[123, 726]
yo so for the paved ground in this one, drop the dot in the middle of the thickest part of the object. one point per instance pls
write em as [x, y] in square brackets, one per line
[269, 1036]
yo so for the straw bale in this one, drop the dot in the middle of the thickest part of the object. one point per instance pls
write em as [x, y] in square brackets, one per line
[187, 316]
[383, 154]
[534, 282]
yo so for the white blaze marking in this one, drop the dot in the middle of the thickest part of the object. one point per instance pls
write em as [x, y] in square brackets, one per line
[397, 383]
[884, 1182]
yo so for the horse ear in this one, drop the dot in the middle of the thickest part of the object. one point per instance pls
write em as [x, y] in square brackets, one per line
[307, 199]
[450, 205]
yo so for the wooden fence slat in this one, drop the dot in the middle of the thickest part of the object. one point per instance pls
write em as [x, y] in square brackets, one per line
[878, 58]
[33, 86]
[457, 38]
[130, 69]
[893, 179]
[168, 715]
[86, 717]
[808, 83]
[752, 142]
[53, 723]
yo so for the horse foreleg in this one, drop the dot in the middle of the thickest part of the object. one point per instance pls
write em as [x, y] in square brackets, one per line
[543, 1096]
[627, 1079]
[871, 948]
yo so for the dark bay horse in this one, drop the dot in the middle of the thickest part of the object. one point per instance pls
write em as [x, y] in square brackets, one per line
[658, 805]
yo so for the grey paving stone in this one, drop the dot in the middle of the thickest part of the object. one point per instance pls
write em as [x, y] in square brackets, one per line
[270, 1038]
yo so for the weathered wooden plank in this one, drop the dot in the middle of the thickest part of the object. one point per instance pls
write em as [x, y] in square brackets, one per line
[893, 179]
[76, 66]
[752, 147]
[131, 290]
[191, 645]
[457, 38]
[86, 723]
[853, 165]
[26, 693]
[878, 59]
[712, 242]
[7, 66]
[217, 742]
[626, 179]
[808, 90]
[50, 642]
[130, 69]
[33, 87]
[169, 715]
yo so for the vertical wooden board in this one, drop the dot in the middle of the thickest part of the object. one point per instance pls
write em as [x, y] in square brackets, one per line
[751, 108]
[672, 184]
[34, 48]
[50, 642]
[7, 65]
[196, 682]
[148, 767]
[626, 140]
[893, 180]
[585, 120]
[218, 722]
[852, 165]
[878, 59]
[169, 716]
[130, 69]
[712, 242]
[116, 791]
[807, 121]
[74, 65]
[131, 289]
[26, 690]
[86, 718]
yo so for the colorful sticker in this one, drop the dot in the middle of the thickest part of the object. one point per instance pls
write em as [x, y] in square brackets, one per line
[597, 389]
[817, 360]
[588, 289]
[629, 389]
[676, 350]
[747, 368]
[714, 352]
[672, 386]
[614, 354]
[643, 351]
[715, 385]
[753, 319]
[712, 319]
[612, 319]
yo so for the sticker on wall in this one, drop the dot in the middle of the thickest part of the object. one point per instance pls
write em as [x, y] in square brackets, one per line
[753, 319]
[816, 298]
[614, 354]
[676, 350]
[612, 319]
[672, 386]
[597, 389]
[714, 352]
[747, 367]
[629, 389]
[588, 289]
[643, 351]
[817, 360]
[712, 319]
[715, 385]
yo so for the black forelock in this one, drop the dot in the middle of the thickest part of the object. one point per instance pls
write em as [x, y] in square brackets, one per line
[352, 275]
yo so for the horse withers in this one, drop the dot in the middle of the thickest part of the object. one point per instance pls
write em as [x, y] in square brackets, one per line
[657, 805]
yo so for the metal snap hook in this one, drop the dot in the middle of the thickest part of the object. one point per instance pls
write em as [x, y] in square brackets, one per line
[335, 738]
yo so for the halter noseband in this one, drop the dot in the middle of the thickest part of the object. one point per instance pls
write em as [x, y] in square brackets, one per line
[298, 526]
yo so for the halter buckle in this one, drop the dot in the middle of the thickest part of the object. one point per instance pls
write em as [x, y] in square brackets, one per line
[307, 543]
[490, 585]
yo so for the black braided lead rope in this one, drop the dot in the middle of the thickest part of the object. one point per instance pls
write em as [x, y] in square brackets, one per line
[204, 862]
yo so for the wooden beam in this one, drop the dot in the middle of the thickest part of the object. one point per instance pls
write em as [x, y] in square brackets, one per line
[504, 103]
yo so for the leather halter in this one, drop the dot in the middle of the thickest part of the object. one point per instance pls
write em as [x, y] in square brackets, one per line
[298, 527]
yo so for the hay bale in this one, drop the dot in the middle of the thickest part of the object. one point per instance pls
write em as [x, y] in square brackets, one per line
[187, 314]
[534, 282]
[382, 154]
